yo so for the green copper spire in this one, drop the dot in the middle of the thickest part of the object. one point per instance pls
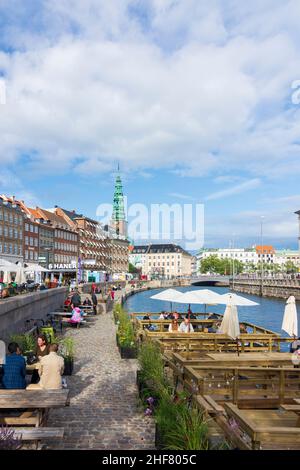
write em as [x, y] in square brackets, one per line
[118, 207]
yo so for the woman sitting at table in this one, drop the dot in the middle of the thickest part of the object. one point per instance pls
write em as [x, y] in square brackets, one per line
[76, 316]
[41, 350]
[173, 327]
[87, 301]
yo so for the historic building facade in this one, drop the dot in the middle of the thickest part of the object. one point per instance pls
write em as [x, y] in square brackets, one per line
[11, 230]
[162, 260]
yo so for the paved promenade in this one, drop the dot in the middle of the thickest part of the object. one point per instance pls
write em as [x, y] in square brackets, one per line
[103, 412]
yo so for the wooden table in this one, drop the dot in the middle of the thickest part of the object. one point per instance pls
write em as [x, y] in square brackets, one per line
[34, 403]
[260, 356]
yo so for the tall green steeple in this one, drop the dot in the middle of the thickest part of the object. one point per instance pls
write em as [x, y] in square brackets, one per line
[118, 206]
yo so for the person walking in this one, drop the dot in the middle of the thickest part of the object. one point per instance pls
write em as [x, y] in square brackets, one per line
[95, 302]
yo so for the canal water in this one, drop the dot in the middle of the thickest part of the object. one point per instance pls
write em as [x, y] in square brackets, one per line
[269, 312]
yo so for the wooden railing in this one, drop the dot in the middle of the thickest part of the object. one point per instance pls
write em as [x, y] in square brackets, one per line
[243, 384]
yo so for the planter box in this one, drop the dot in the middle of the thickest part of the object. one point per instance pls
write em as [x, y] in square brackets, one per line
[69, 363]
[158, 438]
[127, 352]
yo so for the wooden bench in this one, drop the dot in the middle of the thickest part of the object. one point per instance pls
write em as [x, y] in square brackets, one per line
[35, 406]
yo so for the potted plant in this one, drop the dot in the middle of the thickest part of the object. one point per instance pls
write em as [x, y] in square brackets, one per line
[125, 336]
[25, 341]
[68, 351]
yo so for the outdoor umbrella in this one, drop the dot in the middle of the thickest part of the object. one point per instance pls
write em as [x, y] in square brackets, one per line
[230, 323]
[20, 276]
[290, 320]
[168, 295]
[35, 268]
[6, 277]
[7, 266]
[204, 296]
[235, 299]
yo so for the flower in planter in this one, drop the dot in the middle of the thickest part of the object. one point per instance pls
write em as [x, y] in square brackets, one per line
[150, 401]
[148, 412]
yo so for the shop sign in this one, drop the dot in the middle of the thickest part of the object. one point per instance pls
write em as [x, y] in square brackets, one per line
[62, 266]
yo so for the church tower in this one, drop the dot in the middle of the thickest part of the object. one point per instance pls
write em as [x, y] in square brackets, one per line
[118, 216]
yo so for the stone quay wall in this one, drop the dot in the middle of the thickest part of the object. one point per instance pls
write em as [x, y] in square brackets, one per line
[278, 288]
[15, 311]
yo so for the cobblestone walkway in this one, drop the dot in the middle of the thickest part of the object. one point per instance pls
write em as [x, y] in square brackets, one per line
[103, 412]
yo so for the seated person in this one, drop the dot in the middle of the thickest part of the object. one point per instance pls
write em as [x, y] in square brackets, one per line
[171, 316]
[295, 345]
[50, 371]
[173, 327]
[76, 316]
[186, 326]
[149, 327]
[76, 299]
[212, 316]
[41, 350]
[67, 304]
[146, 316]
[243, 329]
[193, 316]
[161, 316]
[14, 369]
[87, 301]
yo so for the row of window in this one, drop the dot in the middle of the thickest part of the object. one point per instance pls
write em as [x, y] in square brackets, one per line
[31, 228]
[11, 218]
[10, 232]
[163, 264]
[46, 233]
[11, 248]
[66, 235]
[31, 255]
[65, 247]
[30, 241]
[63, 259]
[164, 257]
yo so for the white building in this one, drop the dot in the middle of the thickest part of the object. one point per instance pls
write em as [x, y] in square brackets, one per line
[284, 256]
[244, 255]
[167, 260]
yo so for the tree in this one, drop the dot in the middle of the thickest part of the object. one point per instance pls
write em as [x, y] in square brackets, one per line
[133, 269]
[290, 267]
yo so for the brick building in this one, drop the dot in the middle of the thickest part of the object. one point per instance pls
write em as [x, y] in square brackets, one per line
[11, 229]
[93, 248]
[64, 244]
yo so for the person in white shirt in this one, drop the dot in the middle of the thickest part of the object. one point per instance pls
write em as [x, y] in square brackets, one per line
[186, 326]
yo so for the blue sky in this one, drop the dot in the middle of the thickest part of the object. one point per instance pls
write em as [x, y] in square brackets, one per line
[193, 98]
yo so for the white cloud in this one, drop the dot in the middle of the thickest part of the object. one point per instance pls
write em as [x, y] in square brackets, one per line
[182, 196]
[237, 189]
[90, 85]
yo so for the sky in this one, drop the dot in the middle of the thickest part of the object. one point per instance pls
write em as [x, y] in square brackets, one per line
[199, 103]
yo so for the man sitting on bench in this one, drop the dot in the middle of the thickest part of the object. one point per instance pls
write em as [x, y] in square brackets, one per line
[14, 369]
[50, 371]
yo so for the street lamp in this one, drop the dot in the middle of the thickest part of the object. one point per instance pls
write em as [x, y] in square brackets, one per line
[261, 259]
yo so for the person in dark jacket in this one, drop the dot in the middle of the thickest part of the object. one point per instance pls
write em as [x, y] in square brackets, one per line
[95, 302]
[14, 369]
[76, 300]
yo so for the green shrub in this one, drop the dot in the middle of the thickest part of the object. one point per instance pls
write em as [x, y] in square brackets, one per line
[125, 333]
[152, 367]
[25, 341]
[181, 426]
